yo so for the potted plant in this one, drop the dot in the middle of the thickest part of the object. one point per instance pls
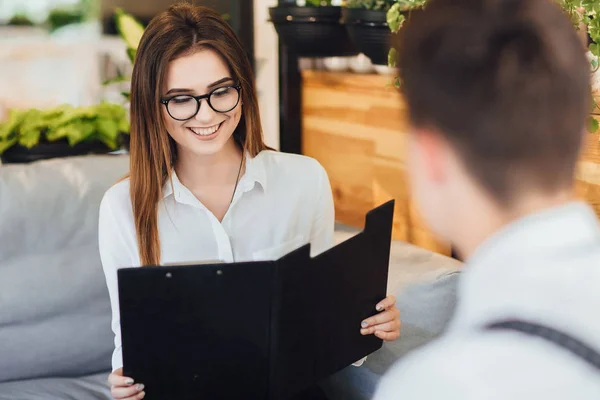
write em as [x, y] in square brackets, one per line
[34, 134]
[312, 30]
[65, 15]
[583, 14]
[20, 19]
[370, 27]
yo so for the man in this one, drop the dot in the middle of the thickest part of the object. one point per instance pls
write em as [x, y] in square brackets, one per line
[498, 94]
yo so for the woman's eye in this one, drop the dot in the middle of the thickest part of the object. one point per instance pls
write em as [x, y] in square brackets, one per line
[181, 100]
[221, 92]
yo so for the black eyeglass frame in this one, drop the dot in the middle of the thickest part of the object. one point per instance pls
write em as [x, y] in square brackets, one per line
[166, 101]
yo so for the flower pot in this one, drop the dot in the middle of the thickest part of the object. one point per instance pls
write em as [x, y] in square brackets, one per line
[369, 32]
[312, 31]
[18, 154]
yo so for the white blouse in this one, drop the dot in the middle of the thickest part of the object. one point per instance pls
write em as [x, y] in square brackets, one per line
[282, 202]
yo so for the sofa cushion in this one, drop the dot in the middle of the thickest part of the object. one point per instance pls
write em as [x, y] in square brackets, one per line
[92, 387]
[54, 305]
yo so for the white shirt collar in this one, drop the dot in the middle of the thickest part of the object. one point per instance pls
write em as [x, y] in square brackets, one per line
[574, 223]
[513, 271]
[255, 173]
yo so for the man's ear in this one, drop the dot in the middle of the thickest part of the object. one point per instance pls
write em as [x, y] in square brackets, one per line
[433, 148]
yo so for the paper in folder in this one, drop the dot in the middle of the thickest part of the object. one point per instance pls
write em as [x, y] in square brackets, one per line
[254, 330]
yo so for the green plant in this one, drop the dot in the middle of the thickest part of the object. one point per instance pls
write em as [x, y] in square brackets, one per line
[130, 30]
[376, 5]
[20, 19]
[102, 122]
[63, 16]
[318, 3]
[584, 13]
[395, 17]
[78, 12]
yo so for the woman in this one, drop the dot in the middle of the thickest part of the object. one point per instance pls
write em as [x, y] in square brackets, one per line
[202, 184]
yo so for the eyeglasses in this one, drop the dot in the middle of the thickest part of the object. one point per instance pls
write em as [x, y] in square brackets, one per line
[185, 106]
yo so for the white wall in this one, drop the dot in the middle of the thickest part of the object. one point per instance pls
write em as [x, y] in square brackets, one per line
[267, 70]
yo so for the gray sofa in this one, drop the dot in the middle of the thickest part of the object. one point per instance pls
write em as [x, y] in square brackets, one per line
[55, 337]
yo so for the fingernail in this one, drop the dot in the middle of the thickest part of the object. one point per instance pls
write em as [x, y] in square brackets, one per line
[129, 381]
[140, 386]
[379, 307]
[364, 324]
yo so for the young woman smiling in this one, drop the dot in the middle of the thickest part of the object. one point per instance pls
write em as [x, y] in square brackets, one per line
[202, 184]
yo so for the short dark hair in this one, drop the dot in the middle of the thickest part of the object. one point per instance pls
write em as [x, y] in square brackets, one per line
[507, 82]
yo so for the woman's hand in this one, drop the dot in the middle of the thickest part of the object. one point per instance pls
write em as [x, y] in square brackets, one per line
[386, 324]
[123, 388]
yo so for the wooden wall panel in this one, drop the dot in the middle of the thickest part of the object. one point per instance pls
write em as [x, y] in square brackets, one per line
[353, 125]
[588, 171]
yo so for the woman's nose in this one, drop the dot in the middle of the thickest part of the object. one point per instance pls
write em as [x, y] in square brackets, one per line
[205, 114]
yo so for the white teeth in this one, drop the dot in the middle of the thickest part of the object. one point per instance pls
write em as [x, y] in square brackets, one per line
[205, 131]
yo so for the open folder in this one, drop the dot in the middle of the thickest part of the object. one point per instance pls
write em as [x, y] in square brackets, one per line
[254, 330]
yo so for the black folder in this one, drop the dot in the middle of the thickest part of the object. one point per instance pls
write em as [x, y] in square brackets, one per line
[254, 330]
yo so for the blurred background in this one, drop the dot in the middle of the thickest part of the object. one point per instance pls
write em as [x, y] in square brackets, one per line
[61, 51]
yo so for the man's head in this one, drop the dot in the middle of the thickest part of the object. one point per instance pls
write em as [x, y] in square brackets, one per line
[497, 94]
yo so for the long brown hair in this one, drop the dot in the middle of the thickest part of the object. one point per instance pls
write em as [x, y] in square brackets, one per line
[180, 30]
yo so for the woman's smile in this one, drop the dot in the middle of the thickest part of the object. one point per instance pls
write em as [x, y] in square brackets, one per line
[206, 133]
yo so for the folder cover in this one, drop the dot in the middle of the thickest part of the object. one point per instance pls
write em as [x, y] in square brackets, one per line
[254, 330]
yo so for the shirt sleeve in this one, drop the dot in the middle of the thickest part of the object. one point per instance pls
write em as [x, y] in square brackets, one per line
[323, 226]
[114, 254]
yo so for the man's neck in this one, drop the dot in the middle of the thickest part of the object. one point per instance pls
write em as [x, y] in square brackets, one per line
[200, 171]
[484, 221]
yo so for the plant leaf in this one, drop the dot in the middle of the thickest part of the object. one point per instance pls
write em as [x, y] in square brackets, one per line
[124, 126]
[107, 129]
[392, 54]
[11, 127]
[58, 133]
[394, 18]
[29, 138]
[129, 28]
[592, 125]
[80, 131]
[30, 131]
[131, 52]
